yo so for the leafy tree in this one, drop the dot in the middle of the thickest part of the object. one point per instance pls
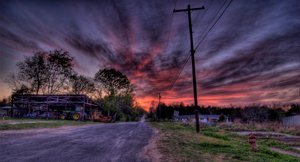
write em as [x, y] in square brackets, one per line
[275, 114]
[81, 84]
[255, 113]
[113, 82]
[294, 110]
[222, 118]
[5, 102]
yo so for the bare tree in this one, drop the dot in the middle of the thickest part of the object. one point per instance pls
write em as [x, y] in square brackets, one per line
[59, 68]
[44, 72]
[81, 84]
[33, 71]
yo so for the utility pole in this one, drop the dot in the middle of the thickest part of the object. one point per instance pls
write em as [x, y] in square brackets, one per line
[189, 9]
[159, 97]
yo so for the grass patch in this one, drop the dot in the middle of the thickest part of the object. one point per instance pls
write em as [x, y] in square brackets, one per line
[239, 157]
[279, 145]
[211, 134]
[181, 143]
[296, 133]
[210, 129]
[211, 145]
[276, 154]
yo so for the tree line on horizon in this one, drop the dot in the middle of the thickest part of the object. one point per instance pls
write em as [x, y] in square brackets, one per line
[52, 73]
[253, 112]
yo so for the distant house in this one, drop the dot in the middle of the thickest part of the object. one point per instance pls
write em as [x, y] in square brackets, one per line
[5, 111]
[202, 118]
[183, 117]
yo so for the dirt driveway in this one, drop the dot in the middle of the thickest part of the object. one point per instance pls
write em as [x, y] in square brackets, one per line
[107, 142]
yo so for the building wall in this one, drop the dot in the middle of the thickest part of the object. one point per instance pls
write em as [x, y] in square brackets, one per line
[291, 120]
[205, 120]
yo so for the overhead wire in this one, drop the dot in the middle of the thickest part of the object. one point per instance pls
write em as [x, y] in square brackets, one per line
[171, 26]
[177, 76]
[170, 30]
[169, 37]
[185, 45]
[186, 37]
[204, 14]
[214, 24]
[187, 59]
[211, 21]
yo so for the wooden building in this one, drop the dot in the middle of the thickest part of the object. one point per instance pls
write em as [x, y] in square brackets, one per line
[58, 103]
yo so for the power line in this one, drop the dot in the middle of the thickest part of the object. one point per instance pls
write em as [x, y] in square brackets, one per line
[186, 43]
[204, 14]
[187, 59]
[177, 76]
[211, 21]
[170, 29]
[184, 46]
[171, 26]
[214, 24]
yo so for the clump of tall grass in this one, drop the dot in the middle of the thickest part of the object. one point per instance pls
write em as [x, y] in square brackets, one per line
[193, 124]
[264, 126]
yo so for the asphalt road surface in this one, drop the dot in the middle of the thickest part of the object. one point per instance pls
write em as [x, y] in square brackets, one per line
[107, 142]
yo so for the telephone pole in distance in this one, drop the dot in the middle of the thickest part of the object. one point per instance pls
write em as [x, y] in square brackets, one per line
[189, 9]
[159, 97]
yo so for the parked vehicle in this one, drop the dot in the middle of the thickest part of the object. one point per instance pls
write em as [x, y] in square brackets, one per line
[28, 116]
[97, 116]
[78, 114]
[45, 115]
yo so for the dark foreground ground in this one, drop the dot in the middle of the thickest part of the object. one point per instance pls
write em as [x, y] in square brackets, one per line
[107, 142]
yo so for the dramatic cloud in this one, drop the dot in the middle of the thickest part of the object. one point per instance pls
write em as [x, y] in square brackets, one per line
[251, 55]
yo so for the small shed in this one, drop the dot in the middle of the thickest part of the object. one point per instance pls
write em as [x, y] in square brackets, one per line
[5, 111]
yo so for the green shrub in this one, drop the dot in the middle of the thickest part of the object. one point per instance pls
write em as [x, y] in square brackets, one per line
[222, 118]
[252, 127]
[128, 118]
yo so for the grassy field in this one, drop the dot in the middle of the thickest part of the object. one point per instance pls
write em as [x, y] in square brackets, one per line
[181, 143]
[265, 126]
[39, 123]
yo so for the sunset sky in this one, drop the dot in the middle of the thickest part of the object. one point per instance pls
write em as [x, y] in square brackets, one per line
[251, 55]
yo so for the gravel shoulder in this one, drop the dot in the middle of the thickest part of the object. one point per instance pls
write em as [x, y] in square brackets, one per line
[107, 142]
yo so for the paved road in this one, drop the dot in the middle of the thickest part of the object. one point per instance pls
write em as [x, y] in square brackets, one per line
[107, 142]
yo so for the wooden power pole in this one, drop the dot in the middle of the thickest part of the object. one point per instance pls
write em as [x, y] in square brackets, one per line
[159, 107]
[189, 9]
